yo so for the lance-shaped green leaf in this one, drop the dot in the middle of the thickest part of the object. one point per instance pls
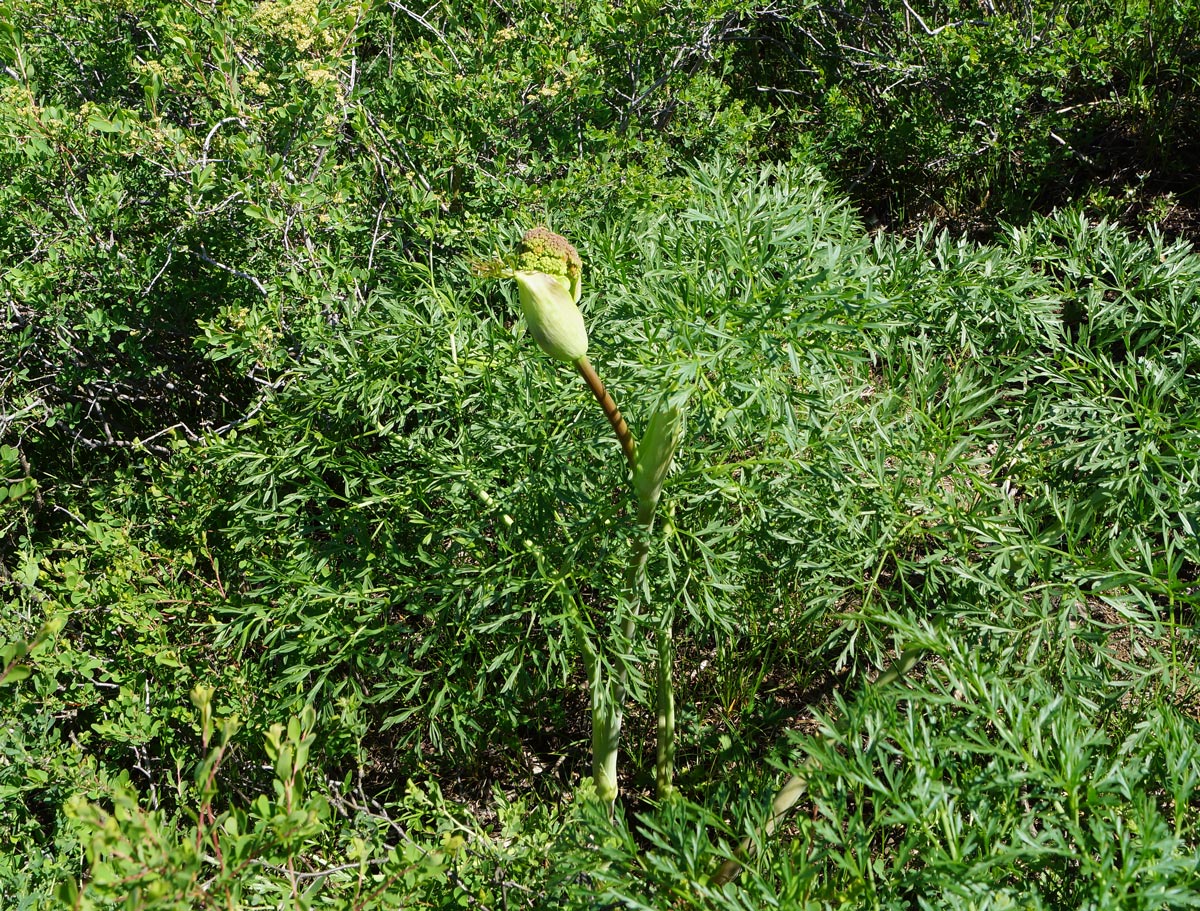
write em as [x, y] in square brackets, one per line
[655, 452]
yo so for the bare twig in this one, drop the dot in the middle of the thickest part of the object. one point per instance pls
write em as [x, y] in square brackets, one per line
[319, 874]
[1070, 148]
[6, 419]
[925, 28]
[232, 271]
[63, 509]
[159, 273]
[269, 390]
[216, 126]
[417, 17]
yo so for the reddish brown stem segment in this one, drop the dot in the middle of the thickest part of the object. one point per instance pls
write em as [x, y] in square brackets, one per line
[624, 436]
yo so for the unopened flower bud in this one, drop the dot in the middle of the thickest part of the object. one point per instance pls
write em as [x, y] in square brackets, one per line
[655, 452]
[549, 278]
[553, 319]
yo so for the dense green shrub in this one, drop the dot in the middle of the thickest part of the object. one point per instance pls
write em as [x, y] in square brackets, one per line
[189, 164]
[973, 110]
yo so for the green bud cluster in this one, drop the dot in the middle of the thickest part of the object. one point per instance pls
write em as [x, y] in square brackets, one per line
[541, 250]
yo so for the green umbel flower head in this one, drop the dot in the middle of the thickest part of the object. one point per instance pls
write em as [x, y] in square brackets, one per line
[541, 250]
[549, 279]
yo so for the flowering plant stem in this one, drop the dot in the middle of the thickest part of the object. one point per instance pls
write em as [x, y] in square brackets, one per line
[620, 428]
[664, 761]
[608, 700]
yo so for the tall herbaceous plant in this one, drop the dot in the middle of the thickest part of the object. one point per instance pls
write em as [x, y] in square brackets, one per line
[752, 298]
[549, 277]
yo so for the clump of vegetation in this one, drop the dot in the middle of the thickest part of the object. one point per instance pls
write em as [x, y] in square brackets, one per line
[319, 581]
[970, 113]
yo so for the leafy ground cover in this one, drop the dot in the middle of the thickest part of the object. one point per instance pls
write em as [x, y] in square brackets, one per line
[302, 539]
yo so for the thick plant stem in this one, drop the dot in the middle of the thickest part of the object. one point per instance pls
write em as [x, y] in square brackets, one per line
[664, 763]
[796, 786]
[606, 743]
[636, 578]
[606, 721]
[608, 696]
[635, 581]
[608, 703]
[624, 435]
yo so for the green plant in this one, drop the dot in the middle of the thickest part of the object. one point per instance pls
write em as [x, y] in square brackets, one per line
[548, 272]
[971, 114]
[218, 855]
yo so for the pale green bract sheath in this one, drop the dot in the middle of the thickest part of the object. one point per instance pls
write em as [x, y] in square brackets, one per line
[549, 276]
[553, 319]
[655, 452]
